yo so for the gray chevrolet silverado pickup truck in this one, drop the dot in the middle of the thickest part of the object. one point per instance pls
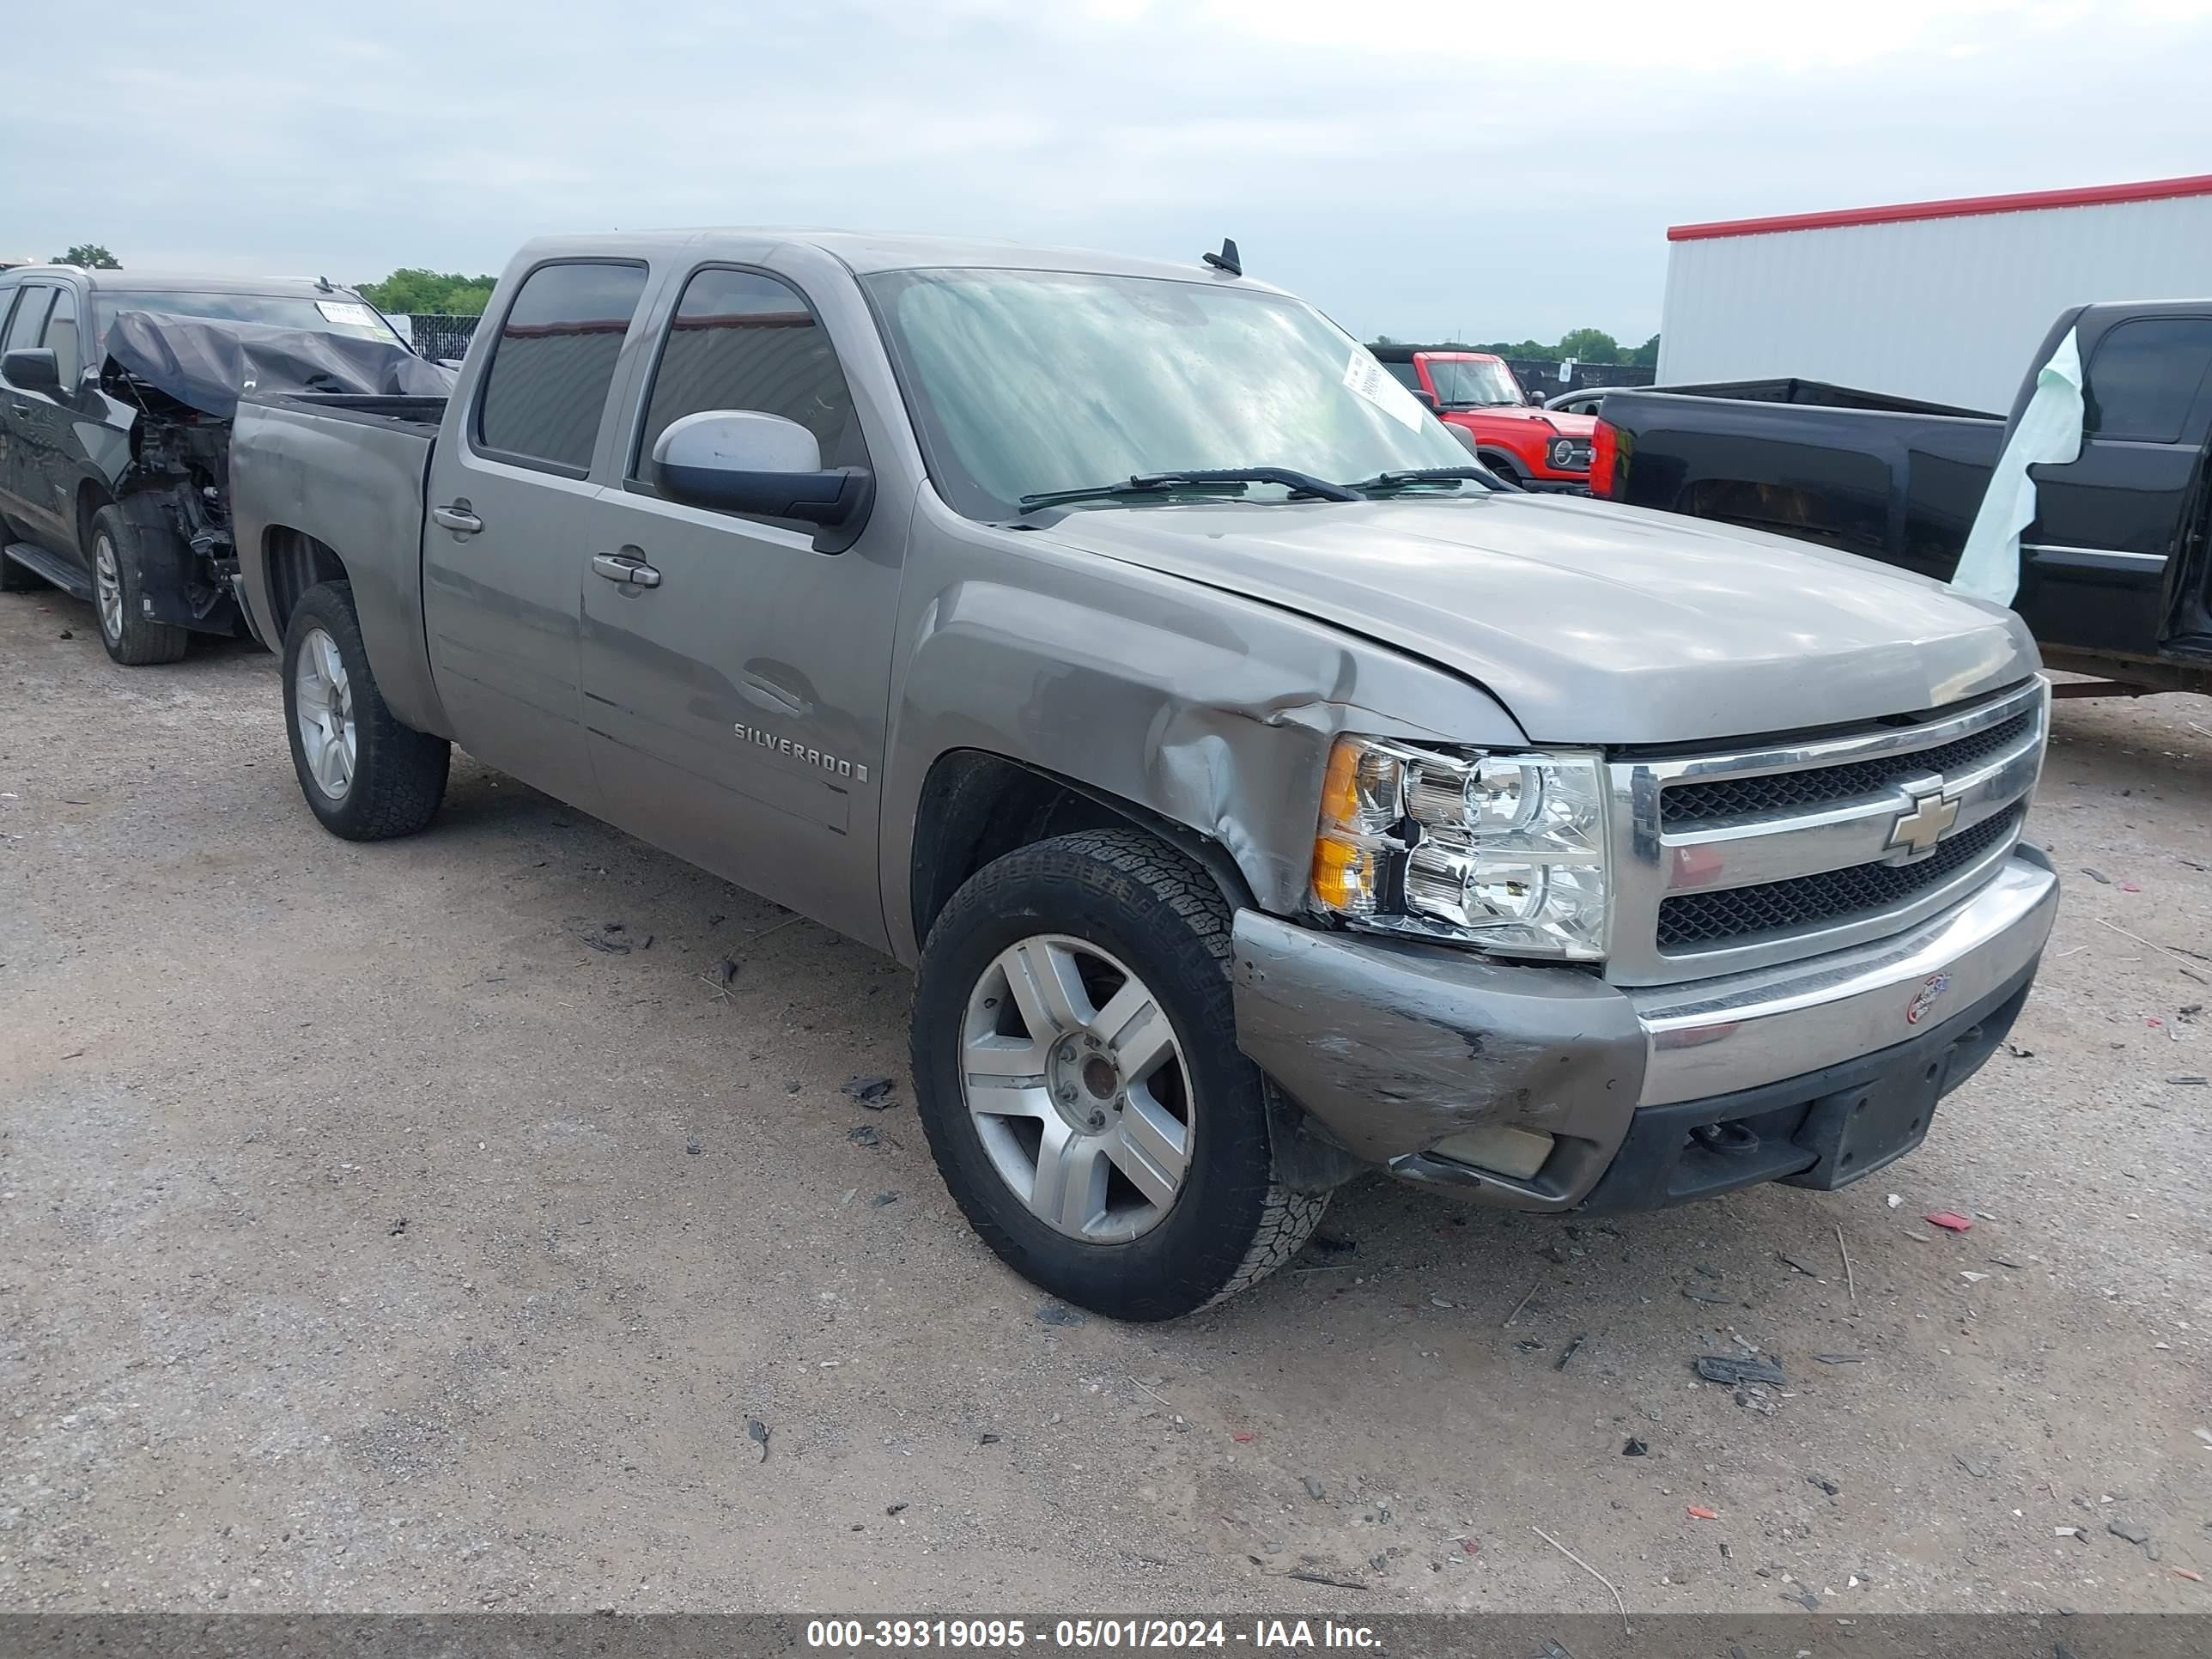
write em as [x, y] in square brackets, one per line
[1259, 797]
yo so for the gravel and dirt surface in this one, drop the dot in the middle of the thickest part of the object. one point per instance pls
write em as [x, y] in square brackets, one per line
[372, 1238]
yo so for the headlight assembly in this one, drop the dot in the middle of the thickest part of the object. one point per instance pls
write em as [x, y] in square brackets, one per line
[1506, 851]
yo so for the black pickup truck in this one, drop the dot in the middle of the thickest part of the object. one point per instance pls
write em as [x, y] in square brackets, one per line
[2114, 572]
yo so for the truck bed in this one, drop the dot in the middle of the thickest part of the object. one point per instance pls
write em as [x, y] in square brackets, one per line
[331, 486]
[1888, 477]
[1820, 394]
[422, 412]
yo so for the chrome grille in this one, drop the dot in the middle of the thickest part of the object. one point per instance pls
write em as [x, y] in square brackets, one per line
[1736, 913]
[1777, 791]
[1740, 860]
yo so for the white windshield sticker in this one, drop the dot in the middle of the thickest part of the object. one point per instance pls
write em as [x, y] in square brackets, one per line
[1368, 379]
[346, 313]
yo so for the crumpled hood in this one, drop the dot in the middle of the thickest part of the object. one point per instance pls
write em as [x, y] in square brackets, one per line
[1592, 622]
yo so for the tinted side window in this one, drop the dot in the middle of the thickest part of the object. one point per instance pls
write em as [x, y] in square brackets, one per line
[546, 386]
[2145, 375]
[1406, 375]
[62, 338]
[30, 319]
[742, 340]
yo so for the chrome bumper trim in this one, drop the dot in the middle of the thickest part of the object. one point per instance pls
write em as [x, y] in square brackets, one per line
[1719, 1035]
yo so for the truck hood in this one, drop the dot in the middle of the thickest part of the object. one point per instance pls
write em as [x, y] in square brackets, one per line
[1557, 420]
[1593, 623]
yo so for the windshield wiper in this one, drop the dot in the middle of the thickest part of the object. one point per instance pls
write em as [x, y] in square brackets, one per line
[1161, 484]
[1385, 483]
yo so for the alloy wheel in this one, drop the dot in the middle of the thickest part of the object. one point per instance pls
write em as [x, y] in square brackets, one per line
[1078, 1089]
[323, 699]
[107, 585]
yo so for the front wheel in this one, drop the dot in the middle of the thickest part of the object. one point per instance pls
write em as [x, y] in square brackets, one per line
[365, 775]
[1076, 1064]
[121, 551]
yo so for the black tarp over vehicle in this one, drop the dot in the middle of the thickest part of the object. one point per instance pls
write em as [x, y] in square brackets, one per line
[206, 364]
[176, 382]
[117, 394]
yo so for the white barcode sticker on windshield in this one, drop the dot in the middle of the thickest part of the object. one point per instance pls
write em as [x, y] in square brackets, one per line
[346, 314]
[1365, 378]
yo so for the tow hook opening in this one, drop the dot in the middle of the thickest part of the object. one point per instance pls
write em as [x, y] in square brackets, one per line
[1726, 1139]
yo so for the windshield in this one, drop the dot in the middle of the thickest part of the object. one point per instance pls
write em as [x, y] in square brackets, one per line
[1461, 384]
[1025, 382]
[339, 313]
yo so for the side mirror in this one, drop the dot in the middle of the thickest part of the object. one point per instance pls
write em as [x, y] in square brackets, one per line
[1427, 399]
[33, 369]
[744, 460]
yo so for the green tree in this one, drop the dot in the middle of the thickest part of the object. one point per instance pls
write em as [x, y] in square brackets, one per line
[89, 255]
[1585, 345]
[1590, 345]
[412, 291]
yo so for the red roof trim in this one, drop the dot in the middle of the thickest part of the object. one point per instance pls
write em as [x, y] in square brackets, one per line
[2148, 190]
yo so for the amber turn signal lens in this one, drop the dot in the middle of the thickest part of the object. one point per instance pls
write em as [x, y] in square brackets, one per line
[1343, 875]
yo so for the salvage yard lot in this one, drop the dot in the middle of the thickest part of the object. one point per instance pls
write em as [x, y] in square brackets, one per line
[372, 1239]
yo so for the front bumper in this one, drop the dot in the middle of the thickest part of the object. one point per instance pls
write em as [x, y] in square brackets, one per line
[1817, 1072]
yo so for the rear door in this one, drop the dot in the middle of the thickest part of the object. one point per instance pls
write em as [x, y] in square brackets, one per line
[737, 705]
[2102, 566]
[504, 551]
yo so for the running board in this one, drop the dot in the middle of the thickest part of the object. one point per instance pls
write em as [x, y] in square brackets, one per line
[55, 568]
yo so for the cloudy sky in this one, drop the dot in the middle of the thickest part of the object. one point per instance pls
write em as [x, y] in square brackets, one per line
[1417, 167]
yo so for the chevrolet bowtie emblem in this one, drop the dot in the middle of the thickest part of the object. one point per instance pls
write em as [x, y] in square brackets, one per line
[1930, 817]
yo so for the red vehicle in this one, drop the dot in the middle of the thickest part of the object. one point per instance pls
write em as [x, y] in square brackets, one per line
[1536, 449]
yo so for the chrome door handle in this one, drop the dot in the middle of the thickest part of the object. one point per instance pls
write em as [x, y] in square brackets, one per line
[457, 518]
[623, 567]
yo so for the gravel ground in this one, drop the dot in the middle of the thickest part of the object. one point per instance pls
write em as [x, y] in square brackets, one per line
[368, 1241]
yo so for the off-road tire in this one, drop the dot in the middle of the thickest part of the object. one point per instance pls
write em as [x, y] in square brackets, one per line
[399, 774]
[1504, 469]
[1234, 1222]
[139, 641]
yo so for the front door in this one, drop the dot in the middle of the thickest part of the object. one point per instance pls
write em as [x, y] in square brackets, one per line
[735, 698]
[2102, 566]
[38, 425]
[504, 553]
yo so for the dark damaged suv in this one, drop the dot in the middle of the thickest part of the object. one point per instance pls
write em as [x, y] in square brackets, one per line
[113, 485]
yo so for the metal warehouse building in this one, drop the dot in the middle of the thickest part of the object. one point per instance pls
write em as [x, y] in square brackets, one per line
[1941, 300]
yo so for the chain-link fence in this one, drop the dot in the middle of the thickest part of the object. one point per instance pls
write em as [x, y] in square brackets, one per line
[437, 336]
[1544, 377]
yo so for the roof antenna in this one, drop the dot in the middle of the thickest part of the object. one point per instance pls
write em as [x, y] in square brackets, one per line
[1226, 259]
[323, 285]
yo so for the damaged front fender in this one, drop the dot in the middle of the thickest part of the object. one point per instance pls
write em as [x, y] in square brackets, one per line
[1209, 712]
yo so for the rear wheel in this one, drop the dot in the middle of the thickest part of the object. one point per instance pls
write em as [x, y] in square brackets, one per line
[365, 775]
[1075, 1058]
[119, 549]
